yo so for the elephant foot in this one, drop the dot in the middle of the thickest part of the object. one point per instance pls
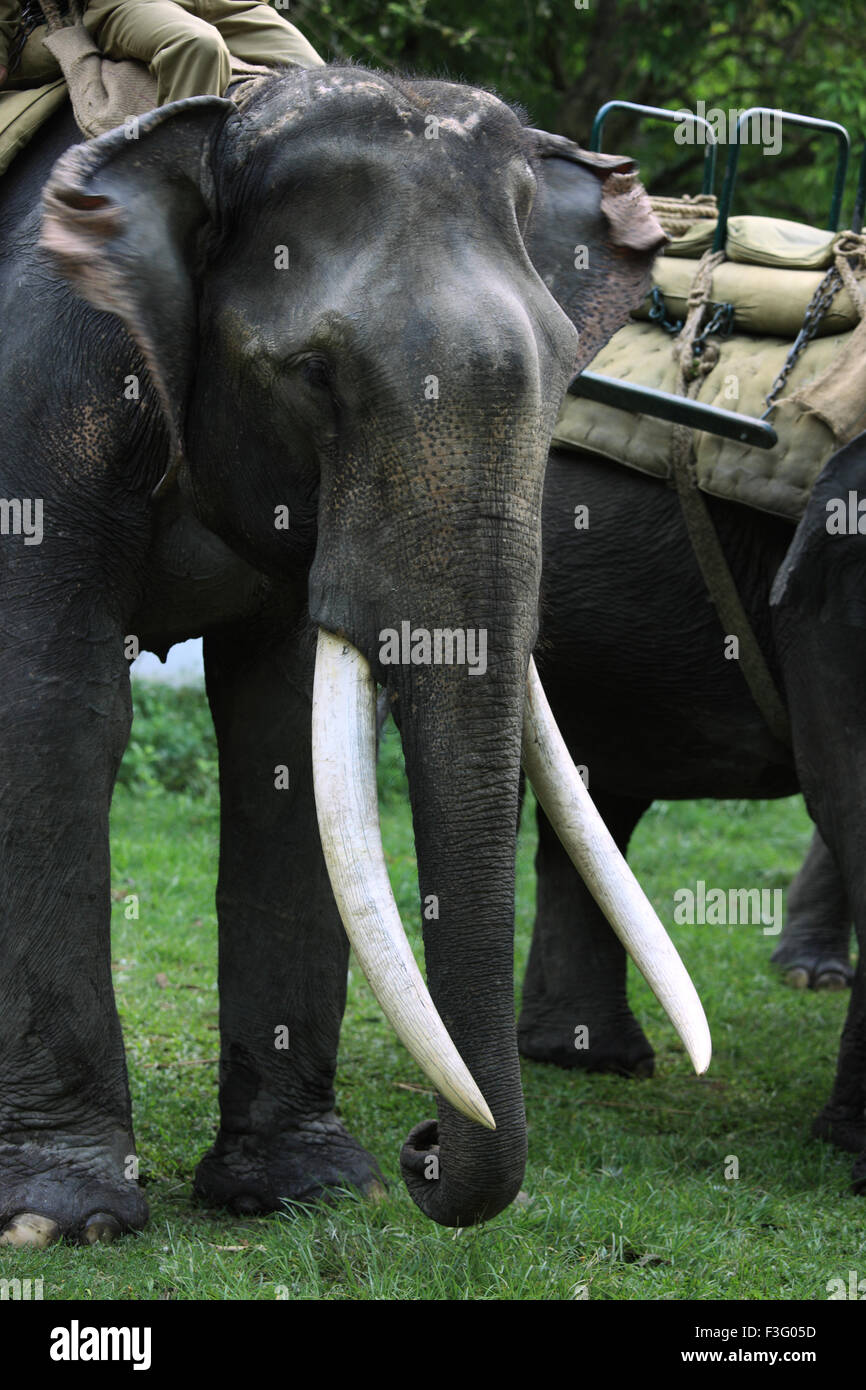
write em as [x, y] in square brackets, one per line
[814, 972]
[813, 964]
[845, 1130]
[251, 1174]
[805, 969]
[45, 1198]
[858, 1176]
[801, 977]
[620, 1046]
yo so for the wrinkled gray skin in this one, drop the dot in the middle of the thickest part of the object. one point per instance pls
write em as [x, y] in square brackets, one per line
[262, 388]
[814, 950]
[631, 654]
[819, 622]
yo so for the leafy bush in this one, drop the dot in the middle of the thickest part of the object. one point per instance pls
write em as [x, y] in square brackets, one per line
[173, 747]
[563, 60]
[393, 787]
[172, 744]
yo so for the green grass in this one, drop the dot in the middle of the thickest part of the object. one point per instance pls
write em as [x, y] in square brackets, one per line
[625, 1195]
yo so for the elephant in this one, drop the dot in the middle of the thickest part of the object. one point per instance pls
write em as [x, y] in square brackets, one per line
[282, 370]
[814, 949]
[636, 667]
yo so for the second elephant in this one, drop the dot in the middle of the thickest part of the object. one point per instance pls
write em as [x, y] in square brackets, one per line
[633, 657]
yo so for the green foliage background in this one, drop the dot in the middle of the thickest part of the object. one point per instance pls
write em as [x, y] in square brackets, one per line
[562, 63]
[172, 743]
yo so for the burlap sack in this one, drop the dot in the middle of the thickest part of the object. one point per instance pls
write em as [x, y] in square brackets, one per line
[838, 395]
[104, 94]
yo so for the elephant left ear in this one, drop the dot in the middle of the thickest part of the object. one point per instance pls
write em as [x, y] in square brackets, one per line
[125, 219]
[592, 236]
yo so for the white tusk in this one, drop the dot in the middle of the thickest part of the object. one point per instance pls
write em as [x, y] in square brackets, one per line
[344, 777]
[594, 853]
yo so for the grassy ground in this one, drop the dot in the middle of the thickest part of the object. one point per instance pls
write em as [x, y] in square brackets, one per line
[625, 1195]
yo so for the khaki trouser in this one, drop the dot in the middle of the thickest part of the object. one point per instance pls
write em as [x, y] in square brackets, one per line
[186, 43]
[37, 66]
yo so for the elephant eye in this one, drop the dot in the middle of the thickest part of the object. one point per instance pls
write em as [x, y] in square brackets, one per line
[316, 373]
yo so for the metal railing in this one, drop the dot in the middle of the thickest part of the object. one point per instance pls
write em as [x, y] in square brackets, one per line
[660, 113]
[793, 118]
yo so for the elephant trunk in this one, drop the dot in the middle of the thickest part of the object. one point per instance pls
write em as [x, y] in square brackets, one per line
[462, 746]
[454, 659]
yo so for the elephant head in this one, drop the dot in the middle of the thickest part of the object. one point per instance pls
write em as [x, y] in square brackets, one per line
[331, 288]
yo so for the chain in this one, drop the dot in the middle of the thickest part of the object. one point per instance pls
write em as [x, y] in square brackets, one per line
[719, 324]
[820, 302]
[659, 314]
[721, 321]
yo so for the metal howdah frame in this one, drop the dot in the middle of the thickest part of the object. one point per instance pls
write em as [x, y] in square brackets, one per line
[663, 405]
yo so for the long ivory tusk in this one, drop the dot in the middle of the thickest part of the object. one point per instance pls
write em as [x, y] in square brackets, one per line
[344, 777]
[594, 853]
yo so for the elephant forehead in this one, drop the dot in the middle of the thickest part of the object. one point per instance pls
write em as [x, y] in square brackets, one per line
[462, 108]
[281, 103]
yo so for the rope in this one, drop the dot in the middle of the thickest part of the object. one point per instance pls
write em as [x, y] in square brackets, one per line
[678, 215]
[691, 367]
[849, 252]
[33, 15]
[705, 542]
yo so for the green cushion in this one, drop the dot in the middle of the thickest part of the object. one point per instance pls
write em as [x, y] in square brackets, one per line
[694, 242]
[776, 480]
[769, 241]
[766, 301]
[773, 241]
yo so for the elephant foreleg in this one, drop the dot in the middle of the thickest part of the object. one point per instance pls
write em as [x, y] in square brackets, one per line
[575, 1009]
[820, 634]
[843, 1119]
[814, 948]
[67, 1154]
[283, 954]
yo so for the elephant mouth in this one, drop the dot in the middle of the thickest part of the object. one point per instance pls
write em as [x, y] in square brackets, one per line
[344, 773]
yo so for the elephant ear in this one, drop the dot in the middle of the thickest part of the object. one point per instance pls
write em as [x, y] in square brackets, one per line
[592, 236]
[126, 222]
